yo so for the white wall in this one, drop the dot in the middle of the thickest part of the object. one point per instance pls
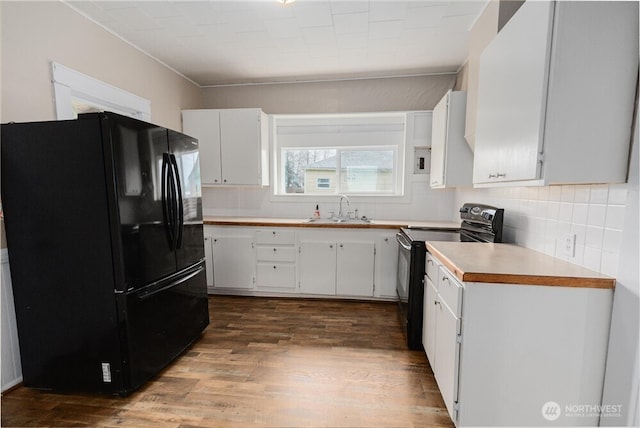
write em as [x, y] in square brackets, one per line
[339, 96]
[11, 368]
[35, 33]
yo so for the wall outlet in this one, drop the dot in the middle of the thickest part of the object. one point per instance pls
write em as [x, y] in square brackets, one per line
[568, 244]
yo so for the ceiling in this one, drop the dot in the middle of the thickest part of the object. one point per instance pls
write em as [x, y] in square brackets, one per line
[222, 42]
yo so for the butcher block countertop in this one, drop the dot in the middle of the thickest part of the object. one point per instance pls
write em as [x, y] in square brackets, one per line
[301, 222]
[512, 264]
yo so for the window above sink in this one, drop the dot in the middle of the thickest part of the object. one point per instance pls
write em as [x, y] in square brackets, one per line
[354, 154]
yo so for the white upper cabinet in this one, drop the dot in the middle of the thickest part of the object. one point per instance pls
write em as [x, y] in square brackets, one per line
[556, 95]
[451, 157]
[233, 145]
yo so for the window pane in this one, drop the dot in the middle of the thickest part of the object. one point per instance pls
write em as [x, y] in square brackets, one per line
[305, 169]
[367, 171]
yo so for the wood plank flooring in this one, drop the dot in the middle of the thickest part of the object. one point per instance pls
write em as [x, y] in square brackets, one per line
[267, 362]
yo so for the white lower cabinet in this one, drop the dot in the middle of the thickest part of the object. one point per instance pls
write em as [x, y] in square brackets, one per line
[317, 267]
[337, 268]
[208, 260]
[501, 352]
[301, 261]
[386, 265]
[276, 260]
[355, 269]
[429, 320]
[441, 330]
[234, 260]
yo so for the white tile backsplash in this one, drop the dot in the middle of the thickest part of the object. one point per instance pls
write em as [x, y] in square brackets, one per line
[538, 217]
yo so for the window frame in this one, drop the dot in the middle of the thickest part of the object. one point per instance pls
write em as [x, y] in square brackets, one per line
[72, 87]
[371, 122]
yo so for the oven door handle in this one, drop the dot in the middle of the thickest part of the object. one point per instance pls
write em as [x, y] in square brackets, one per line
[403, 241]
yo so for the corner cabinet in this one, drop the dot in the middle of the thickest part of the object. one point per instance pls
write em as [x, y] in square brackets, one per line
[234, 145]
[451, 156]
[499, 352]
[556, 95]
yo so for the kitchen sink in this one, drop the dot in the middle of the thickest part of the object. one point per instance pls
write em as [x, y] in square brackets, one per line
[338, 221]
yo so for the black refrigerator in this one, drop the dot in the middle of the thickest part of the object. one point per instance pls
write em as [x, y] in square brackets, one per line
[103, 219]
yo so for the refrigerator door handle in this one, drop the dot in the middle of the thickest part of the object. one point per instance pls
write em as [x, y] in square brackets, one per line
[147, 294]
[166, 199]
[179, 226]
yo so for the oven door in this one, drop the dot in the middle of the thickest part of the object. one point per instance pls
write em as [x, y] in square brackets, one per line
[404, 272]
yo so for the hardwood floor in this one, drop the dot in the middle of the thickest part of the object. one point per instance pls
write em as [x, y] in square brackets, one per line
[267, 362]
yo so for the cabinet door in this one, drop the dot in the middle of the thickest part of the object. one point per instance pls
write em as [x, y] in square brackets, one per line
[276, 275]
[234, 261]
[205, 126]
[512, 98]
[355, 269]
[317, 268]
[208, 259]
[447, 355]
[438, 142]
[386, 266]
[429, 321]
[240, 134]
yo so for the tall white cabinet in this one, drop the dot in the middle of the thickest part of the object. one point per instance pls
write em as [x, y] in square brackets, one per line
[451, 156]
[234, 145]
[556, 95]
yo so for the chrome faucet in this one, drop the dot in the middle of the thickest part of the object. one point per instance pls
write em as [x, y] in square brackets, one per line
[341, 214]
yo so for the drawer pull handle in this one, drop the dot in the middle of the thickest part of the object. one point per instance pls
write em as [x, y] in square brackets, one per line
[444, 278]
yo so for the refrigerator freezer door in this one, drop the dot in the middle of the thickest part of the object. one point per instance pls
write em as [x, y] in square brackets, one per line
[184, 154]
[138, 150]
[163, 319]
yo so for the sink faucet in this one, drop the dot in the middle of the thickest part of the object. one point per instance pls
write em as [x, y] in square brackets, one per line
[341, 214]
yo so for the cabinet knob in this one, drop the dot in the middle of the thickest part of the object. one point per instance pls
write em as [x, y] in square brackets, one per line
[274, 233]
[386, 239]
[225, 180]
[274, 250]
[331, 246]
[274, 267]
[341, 246]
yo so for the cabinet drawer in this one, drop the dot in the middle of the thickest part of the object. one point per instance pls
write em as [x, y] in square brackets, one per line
[276, 275]
[282, 237]
[431, 266]
[276, 254]
[450, 291]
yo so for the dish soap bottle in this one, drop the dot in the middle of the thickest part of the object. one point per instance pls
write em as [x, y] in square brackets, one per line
[316, 213]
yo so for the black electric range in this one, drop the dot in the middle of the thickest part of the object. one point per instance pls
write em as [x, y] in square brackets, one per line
[480, 223]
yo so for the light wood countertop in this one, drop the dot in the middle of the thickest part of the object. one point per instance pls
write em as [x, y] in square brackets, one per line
[301, 222]
[512, 264]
